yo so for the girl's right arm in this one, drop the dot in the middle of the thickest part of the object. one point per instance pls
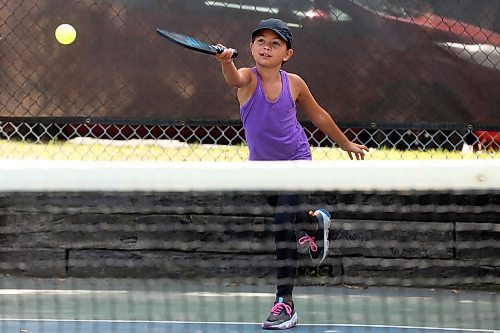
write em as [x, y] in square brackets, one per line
[235, 77]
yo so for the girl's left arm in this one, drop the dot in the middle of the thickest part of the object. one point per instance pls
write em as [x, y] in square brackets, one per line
[322, 120]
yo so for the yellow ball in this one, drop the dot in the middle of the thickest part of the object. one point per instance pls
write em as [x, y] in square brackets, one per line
[65, 34]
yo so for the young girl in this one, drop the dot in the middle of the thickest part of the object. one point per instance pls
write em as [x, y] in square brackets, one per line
[268, 97]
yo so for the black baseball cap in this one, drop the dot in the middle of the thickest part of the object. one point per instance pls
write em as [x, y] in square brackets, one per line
[278, 26]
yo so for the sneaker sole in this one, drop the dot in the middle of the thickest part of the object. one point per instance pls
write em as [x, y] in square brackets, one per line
[325, 219]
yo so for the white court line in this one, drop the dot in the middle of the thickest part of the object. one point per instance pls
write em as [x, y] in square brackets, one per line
[39, 292]
[208, 294]
[240, 323]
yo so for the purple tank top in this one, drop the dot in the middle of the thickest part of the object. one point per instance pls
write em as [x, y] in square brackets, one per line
[272, 130]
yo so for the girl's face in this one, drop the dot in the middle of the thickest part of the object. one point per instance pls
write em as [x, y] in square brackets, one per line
[269, 50]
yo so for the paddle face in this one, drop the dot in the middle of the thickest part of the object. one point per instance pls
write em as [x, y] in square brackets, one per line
[192, 43]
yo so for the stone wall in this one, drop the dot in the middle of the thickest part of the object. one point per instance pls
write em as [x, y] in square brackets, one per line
[229, 236]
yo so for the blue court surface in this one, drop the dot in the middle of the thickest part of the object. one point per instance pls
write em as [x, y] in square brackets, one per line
[103, 326]
[166, 306]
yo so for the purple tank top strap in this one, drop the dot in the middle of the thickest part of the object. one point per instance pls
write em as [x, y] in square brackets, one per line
[286, 90]
[259, 89]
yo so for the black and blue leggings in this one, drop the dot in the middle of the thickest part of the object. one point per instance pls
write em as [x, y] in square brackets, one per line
[288, 217]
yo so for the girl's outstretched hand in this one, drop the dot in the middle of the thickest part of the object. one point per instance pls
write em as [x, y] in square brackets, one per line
[355, 150]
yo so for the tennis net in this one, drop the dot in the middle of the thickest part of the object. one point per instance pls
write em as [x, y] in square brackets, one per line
[191, 247]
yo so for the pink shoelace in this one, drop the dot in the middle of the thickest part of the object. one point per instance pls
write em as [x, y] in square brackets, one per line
[279, 306]
[310, 240]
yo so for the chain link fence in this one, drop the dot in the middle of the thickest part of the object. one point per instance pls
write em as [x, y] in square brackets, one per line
[411, 79]
[226, 142]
